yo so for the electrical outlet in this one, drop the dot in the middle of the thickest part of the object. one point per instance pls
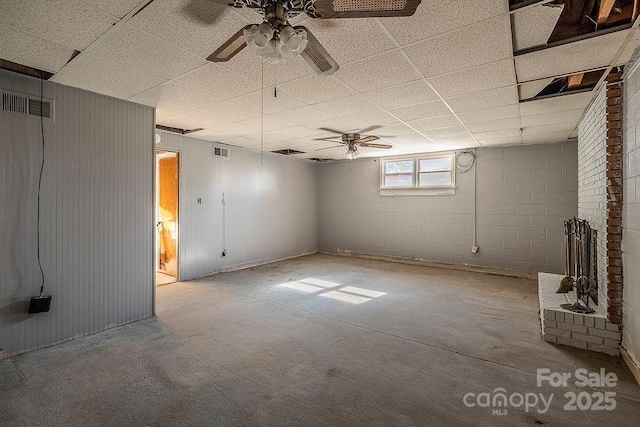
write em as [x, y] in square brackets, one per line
[199, 201]
[475, 249]
[224, 252]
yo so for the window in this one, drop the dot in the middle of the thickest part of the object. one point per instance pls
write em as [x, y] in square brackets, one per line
[418, 175]
[435, 172]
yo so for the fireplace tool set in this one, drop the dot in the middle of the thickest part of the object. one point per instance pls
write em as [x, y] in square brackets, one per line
[580, 265]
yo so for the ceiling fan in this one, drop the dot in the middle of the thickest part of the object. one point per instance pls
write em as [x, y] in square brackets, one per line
[352, 140]
[275, 39]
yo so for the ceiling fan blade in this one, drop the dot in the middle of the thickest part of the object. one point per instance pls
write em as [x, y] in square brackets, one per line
[329, 148]
[364, 8]
[367, 139]
[230, 48]
[369, 129]
[329, 138]
[317, 56]
[374, 145]
[331, 130]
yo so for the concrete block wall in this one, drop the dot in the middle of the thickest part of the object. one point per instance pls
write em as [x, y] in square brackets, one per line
[524, 194]
[631, 214]
[592, 179]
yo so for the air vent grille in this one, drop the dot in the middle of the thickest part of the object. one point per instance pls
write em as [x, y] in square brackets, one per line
[25, 104]
[221, 152]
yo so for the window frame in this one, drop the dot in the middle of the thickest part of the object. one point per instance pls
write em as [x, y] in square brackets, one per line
[415, 189]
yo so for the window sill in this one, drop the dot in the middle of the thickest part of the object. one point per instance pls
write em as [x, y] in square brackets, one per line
[443, 191]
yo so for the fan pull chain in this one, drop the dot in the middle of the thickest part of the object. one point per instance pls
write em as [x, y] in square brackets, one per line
[275, 78]
[262, 114]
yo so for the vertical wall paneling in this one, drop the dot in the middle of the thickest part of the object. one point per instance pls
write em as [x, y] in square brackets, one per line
[270, 207]
[96, 215]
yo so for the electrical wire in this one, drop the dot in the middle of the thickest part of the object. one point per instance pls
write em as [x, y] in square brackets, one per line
[40, 182]
[463, 167]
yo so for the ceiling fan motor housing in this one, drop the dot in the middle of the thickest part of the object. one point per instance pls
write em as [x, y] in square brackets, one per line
[350, 137]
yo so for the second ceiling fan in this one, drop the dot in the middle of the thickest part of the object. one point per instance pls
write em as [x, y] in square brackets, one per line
[275, 39]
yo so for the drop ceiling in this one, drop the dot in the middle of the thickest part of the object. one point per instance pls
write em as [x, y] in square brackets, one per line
[445, 78]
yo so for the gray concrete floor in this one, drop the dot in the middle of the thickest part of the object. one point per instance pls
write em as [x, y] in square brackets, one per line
[240, 349]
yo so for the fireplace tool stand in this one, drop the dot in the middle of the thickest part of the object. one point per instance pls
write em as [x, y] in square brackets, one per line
[584, 256]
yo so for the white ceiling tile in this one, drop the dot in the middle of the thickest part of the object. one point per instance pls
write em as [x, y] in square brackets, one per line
[349, 106]
[488, 76]
[217, 81]
[27, 49]
[545, 138]
[273, 102]
[501, 141]
[136, 49]
[434, 123]
[401, 95]
[93, 73]
[240, 142]
[165, 111]
[70, 23]
[198, 26]
[569, 58]
[436, 17]
[487, 114]
[117, 8]
[555, 104]
[349, 40]
[503, 133]
[378, 72]
[315, 89]
[565, 128]
[557, 117]
[630, 48]
[421, 111]
[530, 89]
[251, 65]
[486, 99]
[365, 120]
[464, 48]
[392, 130]
[498, 124]
[454, 131]
[176, 96]
[532, 26]
[305, 115]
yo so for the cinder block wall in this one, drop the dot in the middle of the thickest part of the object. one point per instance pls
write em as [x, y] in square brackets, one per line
[631, 214]
[592, 179]
[524, 194]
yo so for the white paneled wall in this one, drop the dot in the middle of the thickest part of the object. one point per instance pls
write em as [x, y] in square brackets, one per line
[631, 216]
[96, 221]
[524, 194]
[270, 207]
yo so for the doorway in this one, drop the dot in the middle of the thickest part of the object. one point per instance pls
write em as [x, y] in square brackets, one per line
[167, 214]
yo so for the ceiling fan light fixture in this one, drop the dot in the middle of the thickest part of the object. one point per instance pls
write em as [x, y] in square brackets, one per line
[352, 153]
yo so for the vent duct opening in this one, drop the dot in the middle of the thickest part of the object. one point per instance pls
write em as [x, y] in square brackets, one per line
[20, 103]
[221, 152]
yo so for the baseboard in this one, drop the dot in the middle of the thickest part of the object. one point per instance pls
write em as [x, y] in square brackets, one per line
[250, 264]
[433, 264]
[632, 364]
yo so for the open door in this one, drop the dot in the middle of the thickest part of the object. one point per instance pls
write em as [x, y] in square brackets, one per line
[167, 211]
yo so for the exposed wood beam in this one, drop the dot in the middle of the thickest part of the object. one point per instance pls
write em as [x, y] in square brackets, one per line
[575, 79]
[604, 10]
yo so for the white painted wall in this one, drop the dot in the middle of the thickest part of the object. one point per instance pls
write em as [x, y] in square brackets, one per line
[96, 222]
[631, 214]
[524, 194]
[270, 207]
[592, 179]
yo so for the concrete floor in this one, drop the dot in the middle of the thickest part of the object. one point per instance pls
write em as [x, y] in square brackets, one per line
[239, 349]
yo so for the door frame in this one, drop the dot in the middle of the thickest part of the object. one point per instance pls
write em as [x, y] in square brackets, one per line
[160, 153]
